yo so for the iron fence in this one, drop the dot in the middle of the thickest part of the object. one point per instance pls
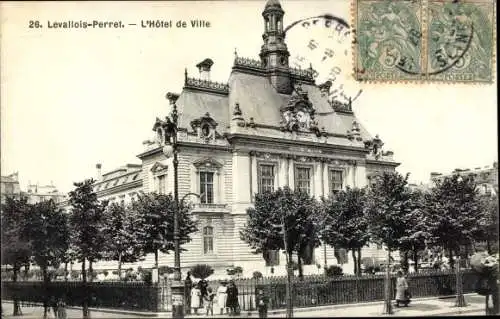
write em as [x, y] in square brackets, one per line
[311, 291]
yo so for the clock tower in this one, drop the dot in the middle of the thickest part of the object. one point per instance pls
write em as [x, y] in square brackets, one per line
[274, 52]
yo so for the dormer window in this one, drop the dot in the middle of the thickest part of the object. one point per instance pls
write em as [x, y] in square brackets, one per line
[205, 127]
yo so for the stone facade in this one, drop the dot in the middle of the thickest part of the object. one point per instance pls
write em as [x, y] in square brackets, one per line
[38, 193]
[486, 177]
[270, 126]
[10, 187]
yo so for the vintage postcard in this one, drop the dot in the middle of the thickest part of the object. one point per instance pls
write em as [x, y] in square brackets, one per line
[248, 158]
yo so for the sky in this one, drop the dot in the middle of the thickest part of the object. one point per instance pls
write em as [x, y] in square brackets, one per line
[72, 98]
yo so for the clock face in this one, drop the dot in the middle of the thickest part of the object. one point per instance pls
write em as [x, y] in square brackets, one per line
[303, 118]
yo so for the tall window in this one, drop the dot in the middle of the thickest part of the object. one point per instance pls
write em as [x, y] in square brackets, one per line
[271, 257]
[335, 180]
[266, 178]
[208, 240]
[303, 179]
[207, 187]
[161, 184]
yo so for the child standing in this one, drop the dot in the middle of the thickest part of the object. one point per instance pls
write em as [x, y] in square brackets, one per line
[195, 298]
[209, 299]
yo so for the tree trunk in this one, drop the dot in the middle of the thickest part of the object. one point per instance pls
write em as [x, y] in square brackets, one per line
[46, 288]
[354, 261]
[85, 308]
[415, 260]
[91, 272]
[156, 266]
[66, 273]
[120, 265]
[387, 301]
[17, 305]
[359, 261]
[405, 264]
[450, 257]
[299, 264]
[488, 246]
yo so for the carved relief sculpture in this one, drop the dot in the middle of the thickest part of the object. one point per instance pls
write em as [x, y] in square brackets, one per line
[298, 114]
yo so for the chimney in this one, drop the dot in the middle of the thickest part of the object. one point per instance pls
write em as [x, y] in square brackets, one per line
[204, 68]
[99, 172]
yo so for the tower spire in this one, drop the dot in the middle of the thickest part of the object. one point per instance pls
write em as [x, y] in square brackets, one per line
[274, 52]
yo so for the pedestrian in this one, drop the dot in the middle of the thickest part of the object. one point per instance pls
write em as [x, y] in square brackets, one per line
[61, 309]
[188, 283]
[222, 297]
[232, 298]
[195, 298]
[262, 301]
[209, 301]
[402, 290]
[203, 288]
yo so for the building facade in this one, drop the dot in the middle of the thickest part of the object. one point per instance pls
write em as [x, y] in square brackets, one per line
[38, 193]
[486, 177]
[269, 126]
[120, 185]
[10, 187]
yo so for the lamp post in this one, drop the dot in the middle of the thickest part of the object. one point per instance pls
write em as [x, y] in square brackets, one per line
[460, 300]
[171, 149]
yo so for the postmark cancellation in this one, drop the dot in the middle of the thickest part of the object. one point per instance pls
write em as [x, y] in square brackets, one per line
[429, 40]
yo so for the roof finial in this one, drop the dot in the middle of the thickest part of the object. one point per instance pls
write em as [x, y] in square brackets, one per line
[235, 53]
[185, 75]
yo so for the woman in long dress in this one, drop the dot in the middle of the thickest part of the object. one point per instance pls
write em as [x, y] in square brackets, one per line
[195, 298]
[222, 297]
[401, 290]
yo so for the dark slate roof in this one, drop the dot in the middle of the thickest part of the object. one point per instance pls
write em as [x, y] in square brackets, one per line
[257, 98]
[193, 104]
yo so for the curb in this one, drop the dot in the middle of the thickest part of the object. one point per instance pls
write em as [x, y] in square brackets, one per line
[349, 305]
[271, 312]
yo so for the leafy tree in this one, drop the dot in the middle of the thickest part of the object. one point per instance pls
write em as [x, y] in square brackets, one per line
[257, 275]
[456, 211]
[16, 249]
[86, 220]
[388, 205]
[120, 230]
[296, 210]
[489, 223]
[346, 226]
[417, 233]
[202, 271]
[155, 231]
[46, 228]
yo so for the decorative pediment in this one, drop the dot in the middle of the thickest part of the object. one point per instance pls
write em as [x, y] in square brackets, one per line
[158, 167]
[298, 114]
[205, 127]
[207, 163]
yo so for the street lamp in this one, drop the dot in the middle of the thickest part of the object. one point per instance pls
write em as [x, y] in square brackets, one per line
[170, 148]
[460, 300]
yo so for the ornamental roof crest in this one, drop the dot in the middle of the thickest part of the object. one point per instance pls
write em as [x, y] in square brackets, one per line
[298, 114]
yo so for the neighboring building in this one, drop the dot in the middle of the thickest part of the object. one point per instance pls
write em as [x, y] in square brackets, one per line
[120, 185]
[486, 177]
[39, 193]
[269, 126]
[10, 187]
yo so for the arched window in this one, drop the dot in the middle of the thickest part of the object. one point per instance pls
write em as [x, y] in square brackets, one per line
[208, 240]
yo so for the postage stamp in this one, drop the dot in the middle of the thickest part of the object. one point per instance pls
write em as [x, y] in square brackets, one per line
[388, 42]
[460, 41]
[430, 40]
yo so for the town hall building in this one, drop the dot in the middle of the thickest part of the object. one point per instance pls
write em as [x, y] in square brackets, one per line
[269, 126]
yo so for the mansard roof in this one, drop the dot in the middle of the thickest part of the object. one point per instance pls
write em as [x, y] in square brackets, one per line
[257, 99]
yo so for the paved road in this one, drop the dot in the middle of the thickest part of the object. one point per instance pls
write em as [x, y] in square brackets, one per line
[418, 308]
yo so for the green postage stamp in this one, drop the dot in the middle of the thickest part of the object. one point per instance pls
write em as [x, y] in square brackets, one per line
[424, 40]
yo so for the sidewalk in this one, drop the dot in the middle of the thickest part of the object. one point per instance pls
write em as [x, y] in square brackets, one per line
[423, 307]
